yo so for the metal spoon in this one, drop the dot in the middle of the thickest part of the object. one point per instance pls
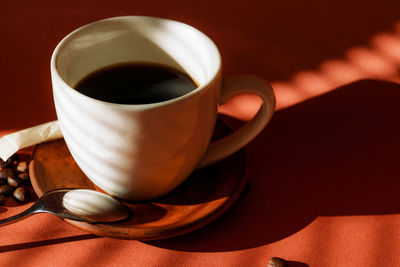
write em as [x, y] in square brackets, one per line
[75, 204]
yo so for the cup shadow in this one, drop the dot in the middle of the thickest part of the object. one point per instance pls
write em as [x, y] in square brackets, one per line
[333, 155]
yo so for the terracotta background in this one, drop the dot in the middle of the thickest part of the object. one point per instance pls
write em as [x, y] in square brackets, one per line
[323, 176]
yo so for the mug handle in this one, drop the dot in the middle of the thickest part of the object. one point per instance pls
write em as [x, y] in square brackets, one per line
[228, 145]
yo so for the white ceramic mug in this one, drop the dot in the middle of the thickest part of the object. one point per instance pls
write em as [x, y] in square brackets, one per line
[144, 151]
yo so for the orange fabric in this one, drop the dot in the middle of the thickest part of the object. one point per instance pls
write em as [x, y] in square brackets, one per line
[323, 176]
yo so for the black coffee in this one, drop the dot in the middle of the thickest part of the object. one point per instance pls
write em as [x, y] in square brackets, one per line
[136, 83]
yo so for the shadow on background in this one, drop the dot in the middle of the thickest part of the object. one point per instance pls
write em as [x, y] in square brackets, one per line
[273, 39]
[334, 155]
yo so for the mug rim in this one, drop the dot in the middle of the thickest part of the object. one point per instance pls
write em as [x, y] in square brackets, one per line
[211, 80]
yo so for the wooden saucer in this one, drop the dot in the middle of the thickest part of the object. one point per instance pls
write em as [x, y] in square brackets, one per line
[203, 197]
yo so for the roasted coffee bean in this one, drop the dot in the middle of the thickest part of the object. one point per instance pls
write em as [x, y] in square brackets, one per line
[14, 173]
[24, 176]
[13, 181]
[22, 166]
[277, 262]
[6, 189]
[6, 172]
[21, 194]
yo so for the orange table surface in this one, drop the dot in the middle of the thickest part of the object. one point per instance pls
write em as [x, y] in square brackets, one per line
[324, 175]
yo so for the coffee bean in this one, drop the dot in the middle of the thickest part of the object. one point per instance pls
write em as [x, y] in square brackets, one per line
[2, 199]
[14, 173]
[22, 166]
[6, 172]
[21, 194]
[277, 262]
[24, 176]
[13, 181]
[6, 189]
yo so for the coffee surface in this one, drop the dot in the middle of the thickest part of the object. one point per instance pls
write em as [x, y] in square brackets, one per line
[136, 83]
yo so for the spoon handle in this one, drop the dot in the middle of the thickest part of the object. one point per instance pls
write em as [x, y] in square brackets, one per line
[34, 209]
[18, 217]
